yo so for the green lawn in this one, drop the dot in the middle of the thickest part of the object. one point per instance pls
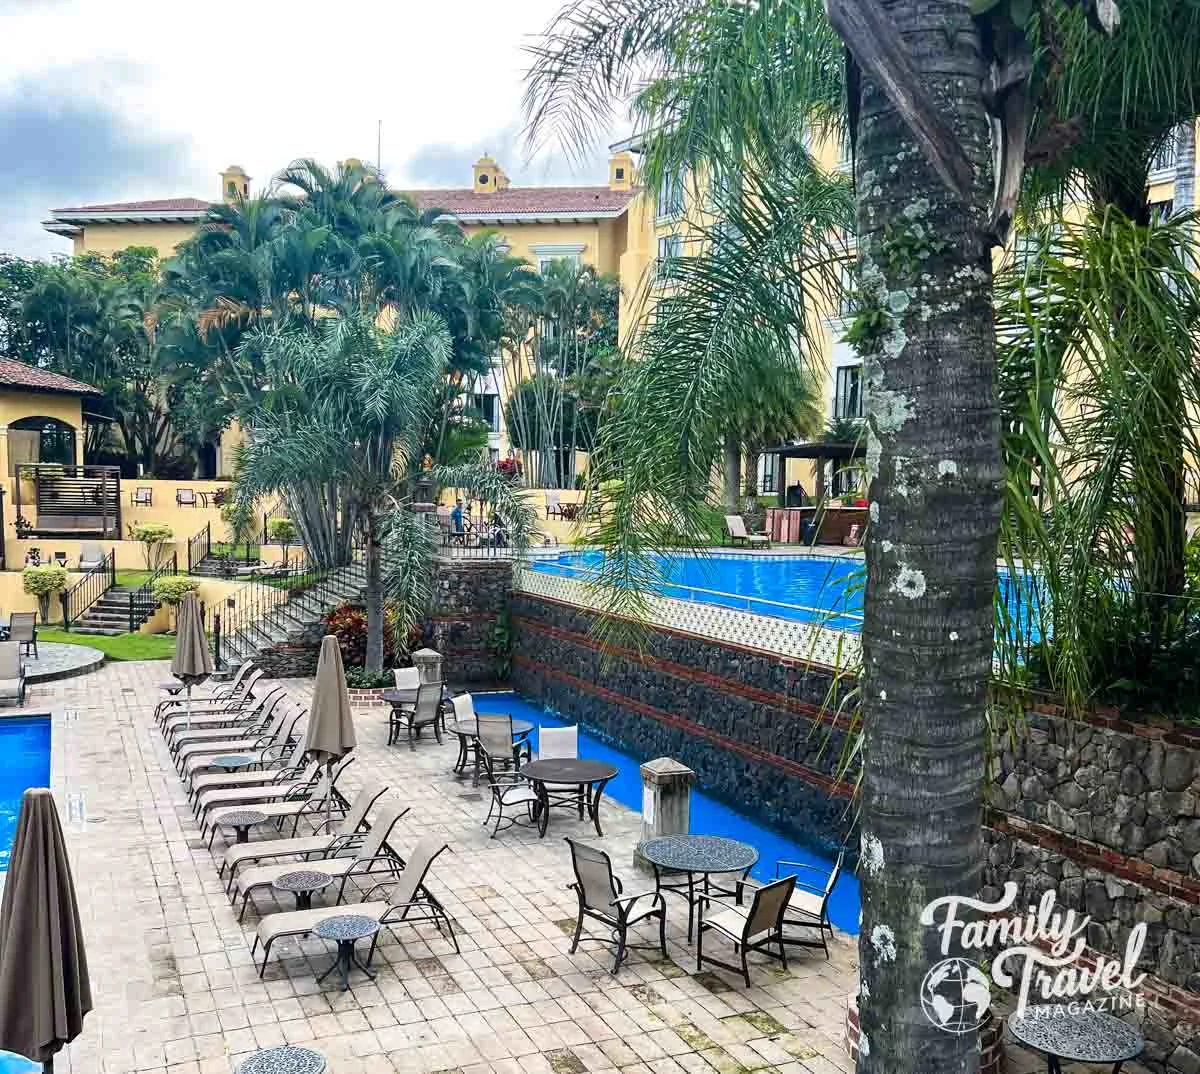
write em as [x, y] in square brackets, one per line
[119, 646]
[133, 579]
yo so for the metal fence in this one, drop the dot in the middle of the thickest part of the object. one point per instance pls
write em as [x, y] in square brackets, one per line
[199, 547]
[142, 602]
[89, 589]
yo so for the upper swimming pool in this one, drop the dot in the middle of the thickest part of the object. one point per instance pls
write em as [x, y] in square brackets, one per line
[24, 763]
[824, 589]
[809, 588]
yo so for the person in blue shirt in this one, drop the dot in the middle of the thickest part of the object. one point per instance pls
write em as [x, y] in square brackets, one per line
[456, 518]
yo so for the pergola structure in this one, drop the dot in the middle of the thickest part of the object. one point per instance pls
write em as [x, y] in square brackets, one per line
[818, 452]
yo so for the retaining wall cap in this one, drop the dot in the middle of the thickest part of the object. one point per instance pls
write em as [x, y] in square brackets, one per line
[666, 769]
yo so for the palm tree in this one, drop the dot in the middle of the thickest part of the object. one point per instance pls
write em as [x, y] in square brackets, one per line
[354, 413]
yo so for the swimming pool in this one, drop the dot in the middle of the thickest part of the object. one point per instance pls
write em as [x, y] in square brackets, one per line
[809, 588]
[708, 816]
[25, 753]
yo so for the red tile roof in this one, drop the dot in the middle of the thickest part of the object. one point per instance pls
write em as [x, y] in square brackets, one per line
[159, 205]
[529, 200]
[19, 375]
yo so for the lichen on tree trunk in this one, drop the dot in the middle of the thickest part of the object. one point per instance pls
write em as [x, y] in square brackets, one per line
[935, 500]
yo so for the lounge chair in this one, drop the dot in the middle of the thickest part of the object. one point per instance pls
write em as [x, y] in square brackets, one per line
[142, 497]
[306, 802]
[349, 834]
[282, 732]
[252, 720]
[853, 538]
[808, 907]
[232, 717]
[231, 696]
[426, 711]
[753, 929]
[12, 673]
[185, 497]
[600, 898]
[22, 628]
[408, 902]
[275, 760]
[553, 507]
[735, 526]
[222, 801]
[370, 858]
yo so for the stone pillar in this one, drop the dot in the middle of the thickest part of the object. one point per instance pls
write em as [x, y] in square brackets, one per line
[666, 801]
[428, 663]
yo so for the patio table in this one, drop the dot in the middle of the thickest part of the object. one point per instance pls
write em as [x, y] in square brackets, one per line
[231, 762]
[241, 821]
[346, 930]
[1081, 1037]
[698, 856]
[588, 778]
[303, 883]
[287, 1059]
[468, 730]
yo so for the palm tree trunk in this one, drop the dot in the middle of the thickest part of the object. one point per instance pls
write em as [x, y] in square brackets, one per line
[374, 596]
[934, 465]
[733, 472]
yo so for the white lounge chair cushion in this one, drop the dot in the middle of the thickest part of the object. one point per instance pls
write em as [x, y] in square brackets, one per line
[518, 794]
[300, 922]
[10, 687]
[263, 875]
[759, 538]
[731, 921]
[806, 902]
[223, 796]
[290, 808]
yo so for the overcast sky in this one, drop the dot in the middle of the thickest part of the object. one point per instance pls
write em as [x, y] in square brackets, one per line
[114, 100]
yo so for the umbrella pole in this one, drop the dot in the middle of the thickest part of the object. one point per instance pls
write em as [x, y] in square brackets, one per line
[328, 797]
[189, 706]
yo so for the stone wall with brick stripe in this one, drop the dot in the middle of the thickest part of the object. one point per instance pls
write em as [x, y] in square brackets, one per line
[754, 726]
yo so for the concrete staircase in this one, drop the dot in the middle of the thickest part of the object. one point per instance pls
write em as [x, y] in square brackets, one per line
[284, 640]
[110, 614]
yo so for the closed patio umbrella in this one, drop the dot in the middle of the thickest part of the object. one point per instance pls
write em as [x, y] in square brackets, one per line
[44, 986]
[330, 734]
[191, 663]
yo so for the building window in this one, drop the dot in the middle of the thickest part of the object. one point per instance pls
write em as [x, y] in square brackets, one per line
[766, 473]
[489, 409]
[670, 195]
[483, 180]
[1160, 211]
[846, 292]
[670, 249]
[847, 395]
[620, 174]
[1167, 154]
[544, 263]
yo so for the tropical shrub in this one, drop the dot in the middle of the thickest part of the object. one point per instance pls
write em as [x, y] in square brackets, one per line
[41, 582]
[171, 590]
[349, 625]
[362, 679]
[153, 537]
[239, 518]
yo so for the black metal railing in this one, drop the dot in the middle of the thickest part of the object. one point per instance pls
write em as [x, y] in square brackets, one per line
[255, 609]
[142, 602]
[89, 589]
[199, 547]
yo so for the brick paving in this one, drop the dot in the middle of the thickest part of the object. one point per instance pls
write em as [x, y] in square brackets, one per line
[176, 991]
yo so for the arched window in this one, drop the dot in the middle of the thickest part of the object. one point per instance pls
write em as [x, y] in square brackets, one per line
[40, 439]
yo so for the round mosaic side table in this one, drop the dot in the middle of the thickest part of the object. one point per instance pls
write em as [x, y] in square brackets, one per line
[1083, 1037]
[346, 930]
[286, 1060]
[697, 856]
[231, 762]
[241, 821]
[302, 883]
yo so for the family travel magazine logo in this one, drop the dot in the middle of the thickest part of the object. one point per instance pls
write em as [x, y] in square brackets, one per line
[1038, 953]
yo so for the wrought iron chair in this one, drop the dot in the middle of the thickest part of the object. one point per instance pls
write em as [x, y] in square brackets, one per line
[508, 790]
[808, 907]
[600, 898]
[755, 929]
[185, 498]
[142, 497]
[22, 627]
[495, 738]
[425, 712]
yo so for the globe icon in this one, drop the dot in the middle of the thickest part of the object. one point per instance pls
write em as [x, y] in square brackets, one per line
[955, 995]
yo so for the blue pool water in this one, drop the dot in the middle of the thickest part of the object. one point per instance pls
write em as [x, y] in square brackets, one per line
[11, 1063]
[824, 589]
[709, 817]
[24, 763]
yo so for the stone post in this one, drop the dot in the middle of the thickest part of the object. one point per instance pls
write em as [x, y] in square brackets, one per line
[666, 801]
[428, 663]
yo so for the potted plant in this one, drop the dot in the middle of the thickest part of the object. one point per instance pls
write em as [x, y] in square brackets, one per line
[41, 582]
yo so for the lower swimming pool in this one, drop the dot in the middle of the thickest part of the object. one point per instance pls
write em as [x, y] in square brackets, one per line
[24, 763]
[709, 817]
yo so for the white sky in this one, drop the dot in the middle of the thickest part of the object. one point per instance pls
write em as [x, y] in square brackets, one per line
[113, 100]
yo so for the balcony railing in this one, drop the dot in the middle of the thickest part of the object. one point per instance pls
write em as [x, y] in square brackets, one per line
[89, 589]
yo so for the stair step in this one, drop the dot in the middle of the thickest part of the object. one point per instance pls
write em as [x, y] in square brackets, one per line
[108, 632]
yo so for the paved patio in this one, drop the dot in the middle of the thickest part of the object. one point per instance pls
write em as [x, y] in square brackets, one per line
[175, 989]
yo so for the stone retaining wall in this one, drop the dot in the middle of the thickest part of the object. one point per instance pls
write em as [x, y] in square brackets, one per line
[470, 601]
[1107, 814]
[752, 725]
